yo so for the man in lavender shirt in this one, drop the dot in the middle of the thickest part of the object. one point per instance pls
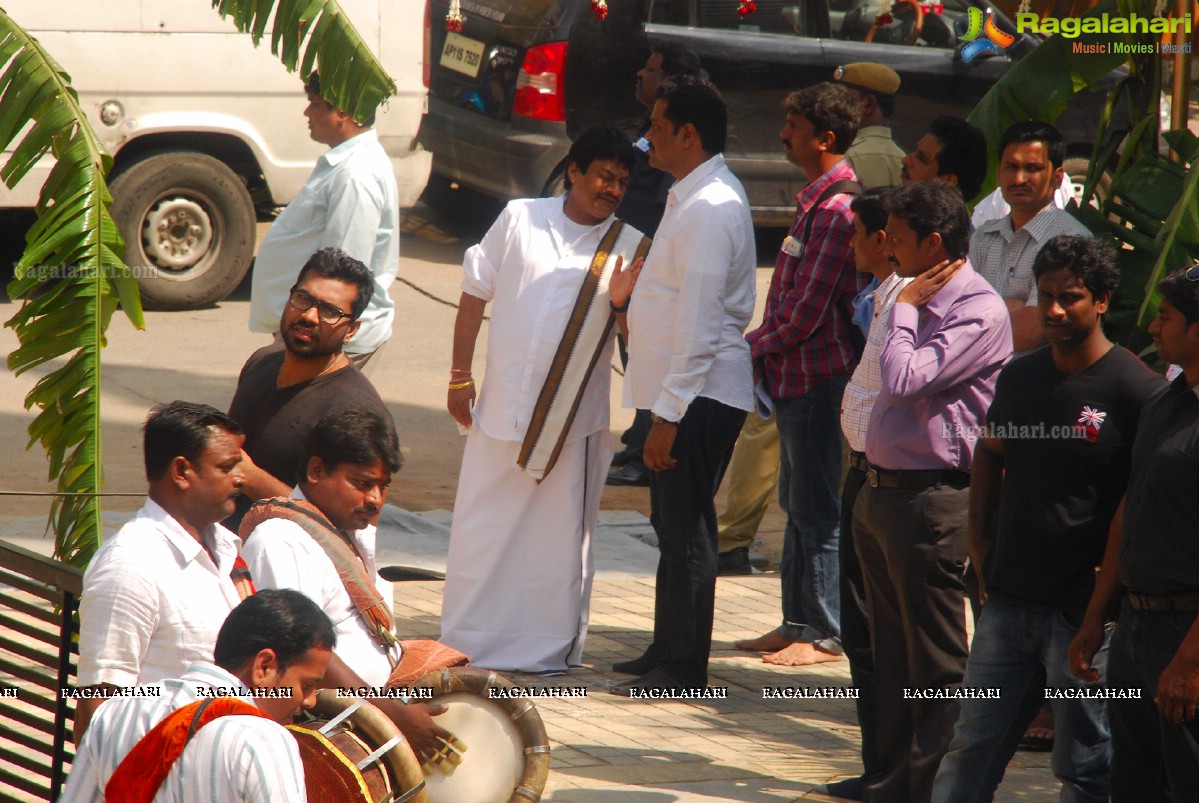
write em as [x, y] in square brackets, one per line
[947, 339]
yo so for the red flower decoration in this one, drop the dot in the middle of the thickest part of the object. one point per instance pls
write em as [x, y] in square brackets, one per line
[454, 19]
[746, 7]
[599, 8]
[883, 19]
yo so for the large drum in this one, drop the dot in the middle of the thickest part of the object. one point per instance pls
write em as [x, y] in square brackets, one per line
[354, 754]
[507, 759]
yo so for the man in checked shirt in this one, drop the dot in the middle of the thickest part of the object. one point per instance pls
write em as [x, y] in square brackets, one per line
[804, 352]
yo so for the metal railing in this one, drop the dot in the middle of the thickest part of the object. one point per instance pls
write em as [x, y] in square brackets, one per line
[39, 601]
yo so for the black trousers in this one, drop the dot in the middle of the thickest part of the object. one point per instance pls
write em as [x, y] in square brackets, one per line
[1153, 759]
[683, 514]
[912, 547]
[855, 626]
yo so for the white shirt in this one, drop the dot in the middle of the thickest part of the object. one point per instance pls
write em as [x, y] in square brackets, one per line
[281, 555]
[349, 202]
[867, 380]
[154, 600]
[530, 266]
[694, 298]
[231, 759]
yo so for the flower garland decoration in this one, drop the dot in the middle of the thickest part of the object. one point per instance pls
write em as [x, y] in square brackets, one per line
[599, 8]
[746, 7]
[454, 19]
[884, 14]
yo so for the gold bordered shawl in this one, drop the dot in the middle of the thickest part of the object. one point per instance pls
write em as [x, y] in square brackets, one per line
[587, 330]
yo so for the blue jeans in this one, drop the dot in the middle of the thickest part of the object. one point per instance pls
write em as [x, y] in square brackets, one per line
[1153, 759]
[810, 449]
[1020, 648]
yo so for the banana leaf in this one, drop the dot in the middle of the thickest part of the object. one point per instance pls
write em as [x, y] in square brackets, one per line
[1152, 217]
[317, 33]
[70, 280]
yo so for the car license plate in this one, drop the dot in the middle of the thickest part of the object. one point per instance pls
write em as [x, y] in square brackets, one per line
[462, 54]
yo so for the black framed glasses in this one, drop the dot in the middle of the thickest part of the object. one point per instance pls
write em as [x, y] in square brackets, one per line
[303, 301]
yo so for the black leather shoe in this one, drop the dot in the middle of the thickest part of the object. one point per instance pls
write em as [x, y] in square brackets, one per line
[641, 665]
[657, 679]
[621, 458]
[734, 562]
[634, 473]
[846, 788]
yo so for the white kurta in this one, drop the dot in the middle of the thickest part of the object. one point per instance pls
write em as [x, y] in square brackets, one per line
[518, 577]
[281, 554]
[154, 600]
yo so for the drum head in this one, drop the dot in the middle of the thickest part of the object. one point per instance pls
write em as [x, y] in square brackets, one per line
[494, 761]
[507, 755]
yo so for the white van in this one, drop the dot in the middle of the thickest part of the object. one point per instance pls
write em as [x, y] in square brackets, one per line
[206, 131]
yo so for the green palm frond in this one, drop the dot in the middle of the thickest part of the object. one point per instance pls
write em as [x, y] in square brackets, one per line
[352, 79]
[70, 278]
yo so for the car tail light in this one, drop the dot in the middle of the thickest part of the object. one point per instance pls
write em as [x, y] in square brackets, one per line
[540, 92]
[427, 64]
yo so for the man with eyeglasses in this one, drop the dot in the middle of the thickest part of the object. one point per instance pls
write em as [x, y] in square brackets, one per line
[284, 389]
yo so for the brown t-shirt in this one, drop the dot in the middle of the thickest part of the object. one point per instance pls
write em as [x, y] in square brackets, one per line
[277, 420]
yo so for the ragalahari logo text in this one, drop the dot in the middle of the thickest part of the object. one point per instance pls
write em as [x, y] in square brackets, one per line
[992, 38]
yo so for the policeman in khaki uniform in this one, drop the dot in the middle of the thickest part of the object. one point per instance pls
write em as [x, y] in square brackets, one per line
[874, 156]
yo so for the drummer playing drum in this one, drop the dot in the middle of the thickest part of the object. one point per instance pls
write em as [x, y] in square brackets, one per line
[271, 654]
[321, 541]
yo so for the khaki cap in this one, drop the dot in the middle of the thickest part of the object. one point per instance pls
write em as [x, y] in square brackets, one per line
[868, 76]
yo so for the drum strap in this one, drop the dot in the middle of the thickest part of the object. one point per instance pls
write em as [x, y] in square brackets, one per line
[350, 569]
[140, 774]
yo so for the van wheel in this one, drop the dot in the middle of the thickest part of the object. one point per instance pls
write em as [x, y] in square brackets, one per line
[189, 228]
[555, 185]
[1076, 168]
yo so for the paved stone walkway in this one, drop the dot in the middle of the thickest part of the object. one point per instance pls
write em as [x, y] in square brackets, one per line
[609, 749]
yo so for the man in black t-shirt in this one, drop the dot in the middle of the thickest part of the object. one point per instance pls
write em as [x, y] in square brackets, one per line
[285, 388]
[1048, 475]
[1153, 560]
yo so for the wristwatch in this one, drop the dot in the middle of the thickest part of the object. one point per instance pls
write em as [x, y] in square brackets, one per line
[657, 419]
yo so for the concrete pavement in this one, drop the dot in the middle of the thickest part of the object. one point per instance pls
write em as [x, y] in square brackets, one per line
[609, 749]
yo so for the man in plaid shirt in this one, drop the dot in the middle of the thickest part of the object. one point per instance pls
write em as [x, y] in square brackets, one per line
[804, 353]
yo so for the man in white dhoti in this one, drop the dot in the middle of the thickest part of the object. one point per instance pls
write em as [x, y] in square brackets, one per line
[518, 579]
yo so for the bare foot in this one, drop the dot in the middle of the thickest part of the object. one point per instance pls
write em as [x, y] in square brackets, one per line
[771, 642]
[1039, 735]
[801, 653]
